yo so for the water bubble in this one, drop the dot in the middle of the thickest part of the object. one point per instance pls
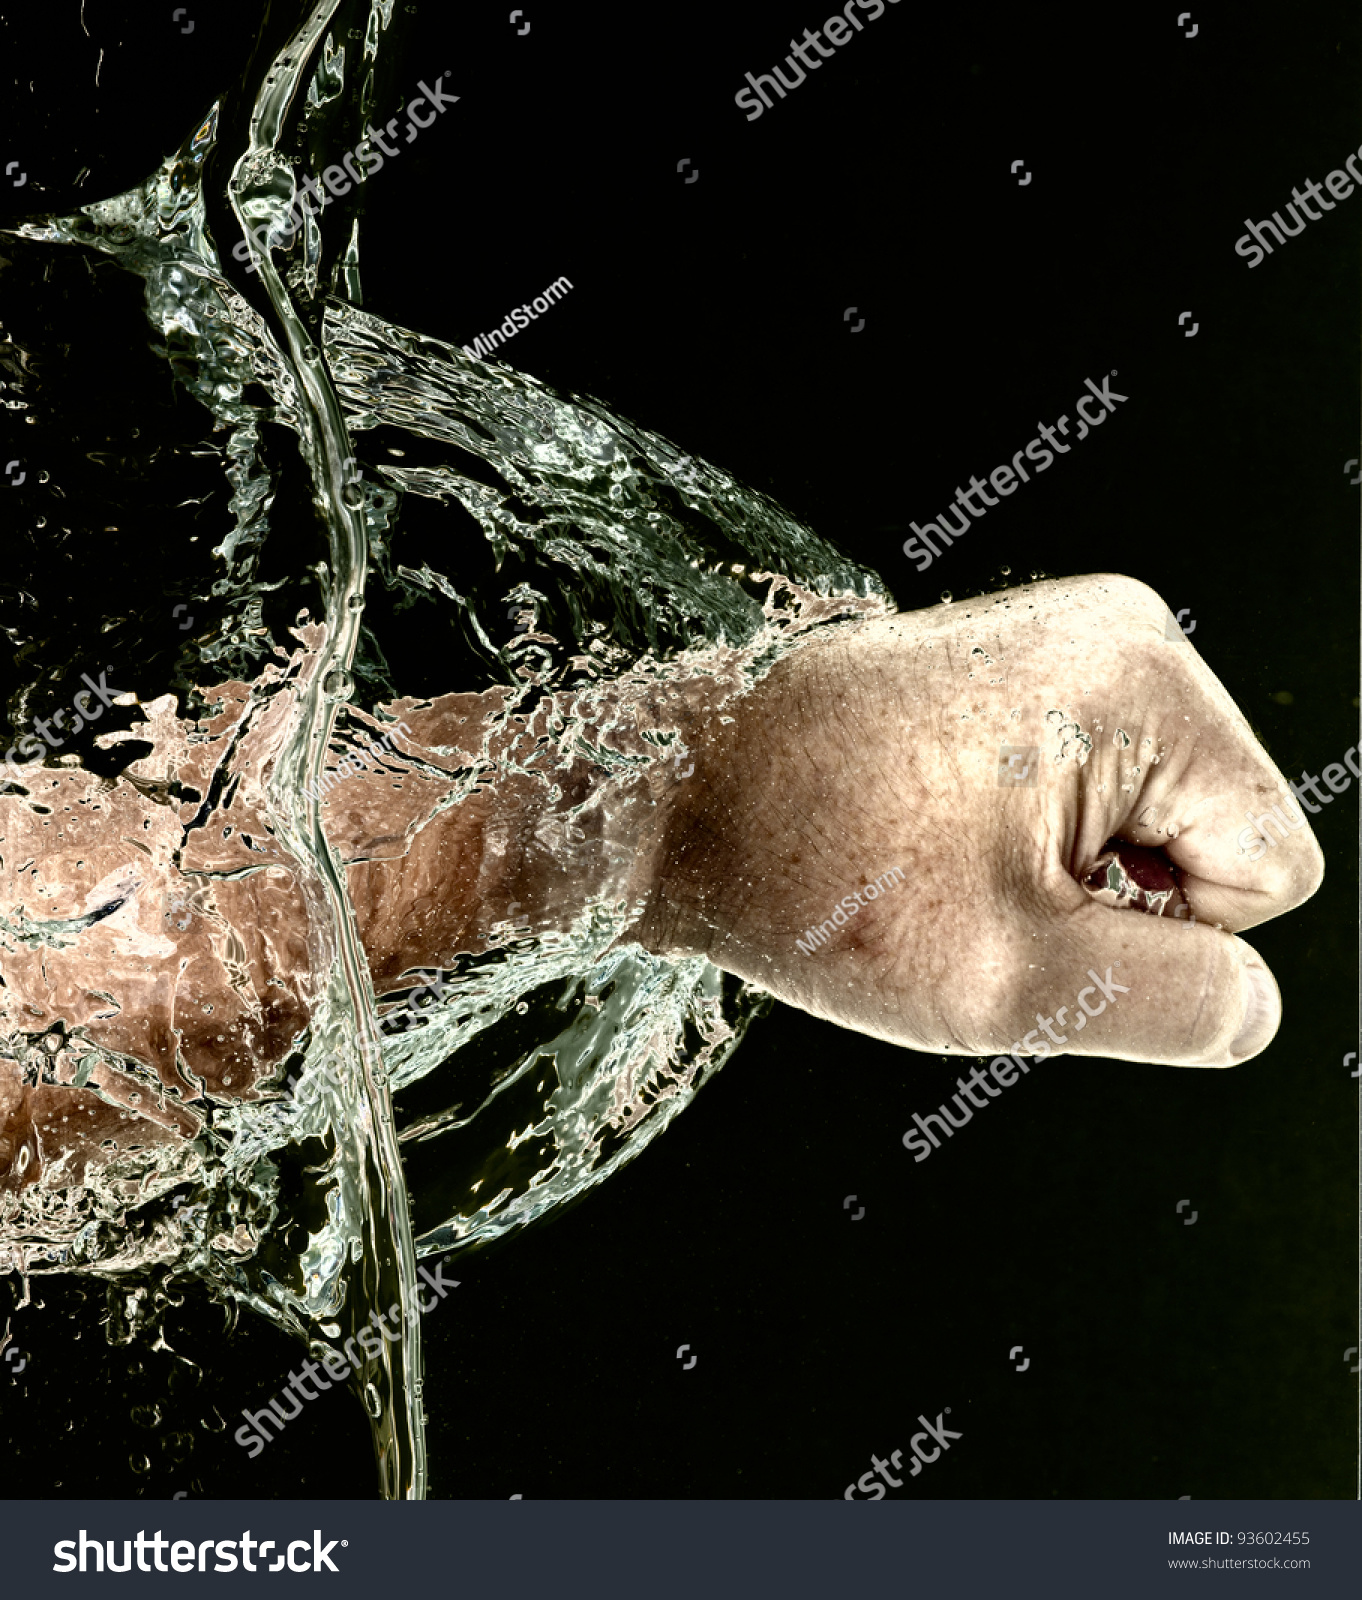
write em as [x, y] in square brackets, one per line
[140, 1464]
[355, 603]
[352, 495]
[338, 684]
[372, 1403]
[946, 597]
[1006, 571]
[185, 1376]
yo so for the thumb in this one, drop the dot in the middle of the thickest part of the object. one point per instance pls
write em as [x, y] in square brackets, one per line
[1146, 988]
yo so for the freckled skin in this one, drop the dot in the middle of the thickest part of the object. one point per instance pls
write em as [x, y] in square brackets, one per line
[876, 747]
[873, 747]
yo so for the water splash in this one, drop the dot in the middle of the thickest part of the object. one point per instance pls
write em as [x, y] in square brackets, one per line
[143, 1137]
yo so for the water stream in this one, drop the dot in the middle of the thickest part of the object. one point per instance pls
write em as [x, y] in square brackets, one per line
[456, 1101]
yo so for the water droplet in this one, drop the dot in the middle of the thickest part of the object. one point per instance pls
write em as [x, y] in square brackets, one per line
[372, 1403]
[139, 1464]
[352, 495]
[338, 684]
[1121, 740]
[1006, 571]
[946, 597]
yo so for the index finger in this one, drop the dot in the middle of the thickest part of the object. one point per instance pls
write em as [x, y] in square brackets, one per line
[1220, 808]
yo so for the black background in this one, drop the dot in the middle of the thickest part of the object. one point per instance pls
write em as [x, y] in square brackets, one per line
[1164, 1359]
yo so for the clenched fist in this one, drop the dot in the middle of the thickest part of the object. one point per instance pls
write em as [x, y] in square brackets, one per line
[946, 829]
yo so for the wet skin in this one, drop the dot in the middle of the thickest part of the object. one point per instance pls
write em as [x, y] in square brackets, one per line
[875, 746]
